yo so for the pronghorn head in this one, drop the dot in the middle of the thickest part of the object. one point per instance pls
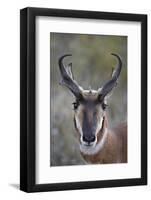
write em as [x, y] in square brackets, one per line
[89, 106]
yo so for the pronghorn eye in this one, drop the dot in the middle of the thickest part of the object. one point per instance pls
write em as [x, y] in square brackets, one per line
[75, 105]
[104, 106]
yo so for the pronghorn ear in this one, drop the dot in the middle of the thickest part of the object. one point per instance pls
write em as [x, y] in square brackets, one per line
[105, 99]
[108, 95]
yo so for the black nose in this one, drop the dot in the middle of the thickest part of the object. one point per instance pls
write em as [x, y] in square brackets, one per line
[89, 138]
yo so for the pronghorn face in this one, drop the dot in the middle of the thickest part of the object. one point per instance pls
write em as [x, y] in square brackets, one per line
[89, 112]
[89, 107]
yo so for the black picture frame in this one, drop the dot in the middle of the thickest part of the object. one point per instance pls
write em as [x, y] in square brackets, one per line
[28, 98]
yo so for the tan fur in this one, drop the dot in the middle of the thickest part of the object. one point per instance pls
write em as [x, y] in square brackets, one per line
[97, 143]
[115, 147]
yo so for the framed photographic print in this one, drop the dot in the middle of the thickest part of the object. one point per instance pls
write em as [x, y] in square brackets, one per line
[83, 99]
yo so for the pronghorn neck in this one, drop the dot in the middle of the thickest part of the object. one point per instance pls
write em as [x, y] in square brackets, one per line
[101, 140]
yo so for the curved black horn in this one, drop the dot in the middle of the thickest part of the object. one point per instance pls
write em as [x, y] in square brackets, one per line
[67, 77]
[109, 85]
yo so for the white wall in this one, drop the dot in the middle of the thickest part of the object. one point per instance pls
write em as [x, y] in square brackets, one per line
[9, 98]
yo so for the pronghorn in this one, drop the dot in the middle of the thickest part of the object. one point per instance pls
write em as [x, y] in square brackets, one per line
[97, 143]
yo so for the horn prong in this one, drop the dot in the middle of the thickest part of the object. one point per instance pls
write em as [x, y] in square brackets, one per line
[109, 85]
[67, 77]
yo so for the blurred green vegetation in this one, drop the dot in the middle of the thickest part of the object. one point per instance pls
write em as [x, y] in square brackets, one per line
[92, 66]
